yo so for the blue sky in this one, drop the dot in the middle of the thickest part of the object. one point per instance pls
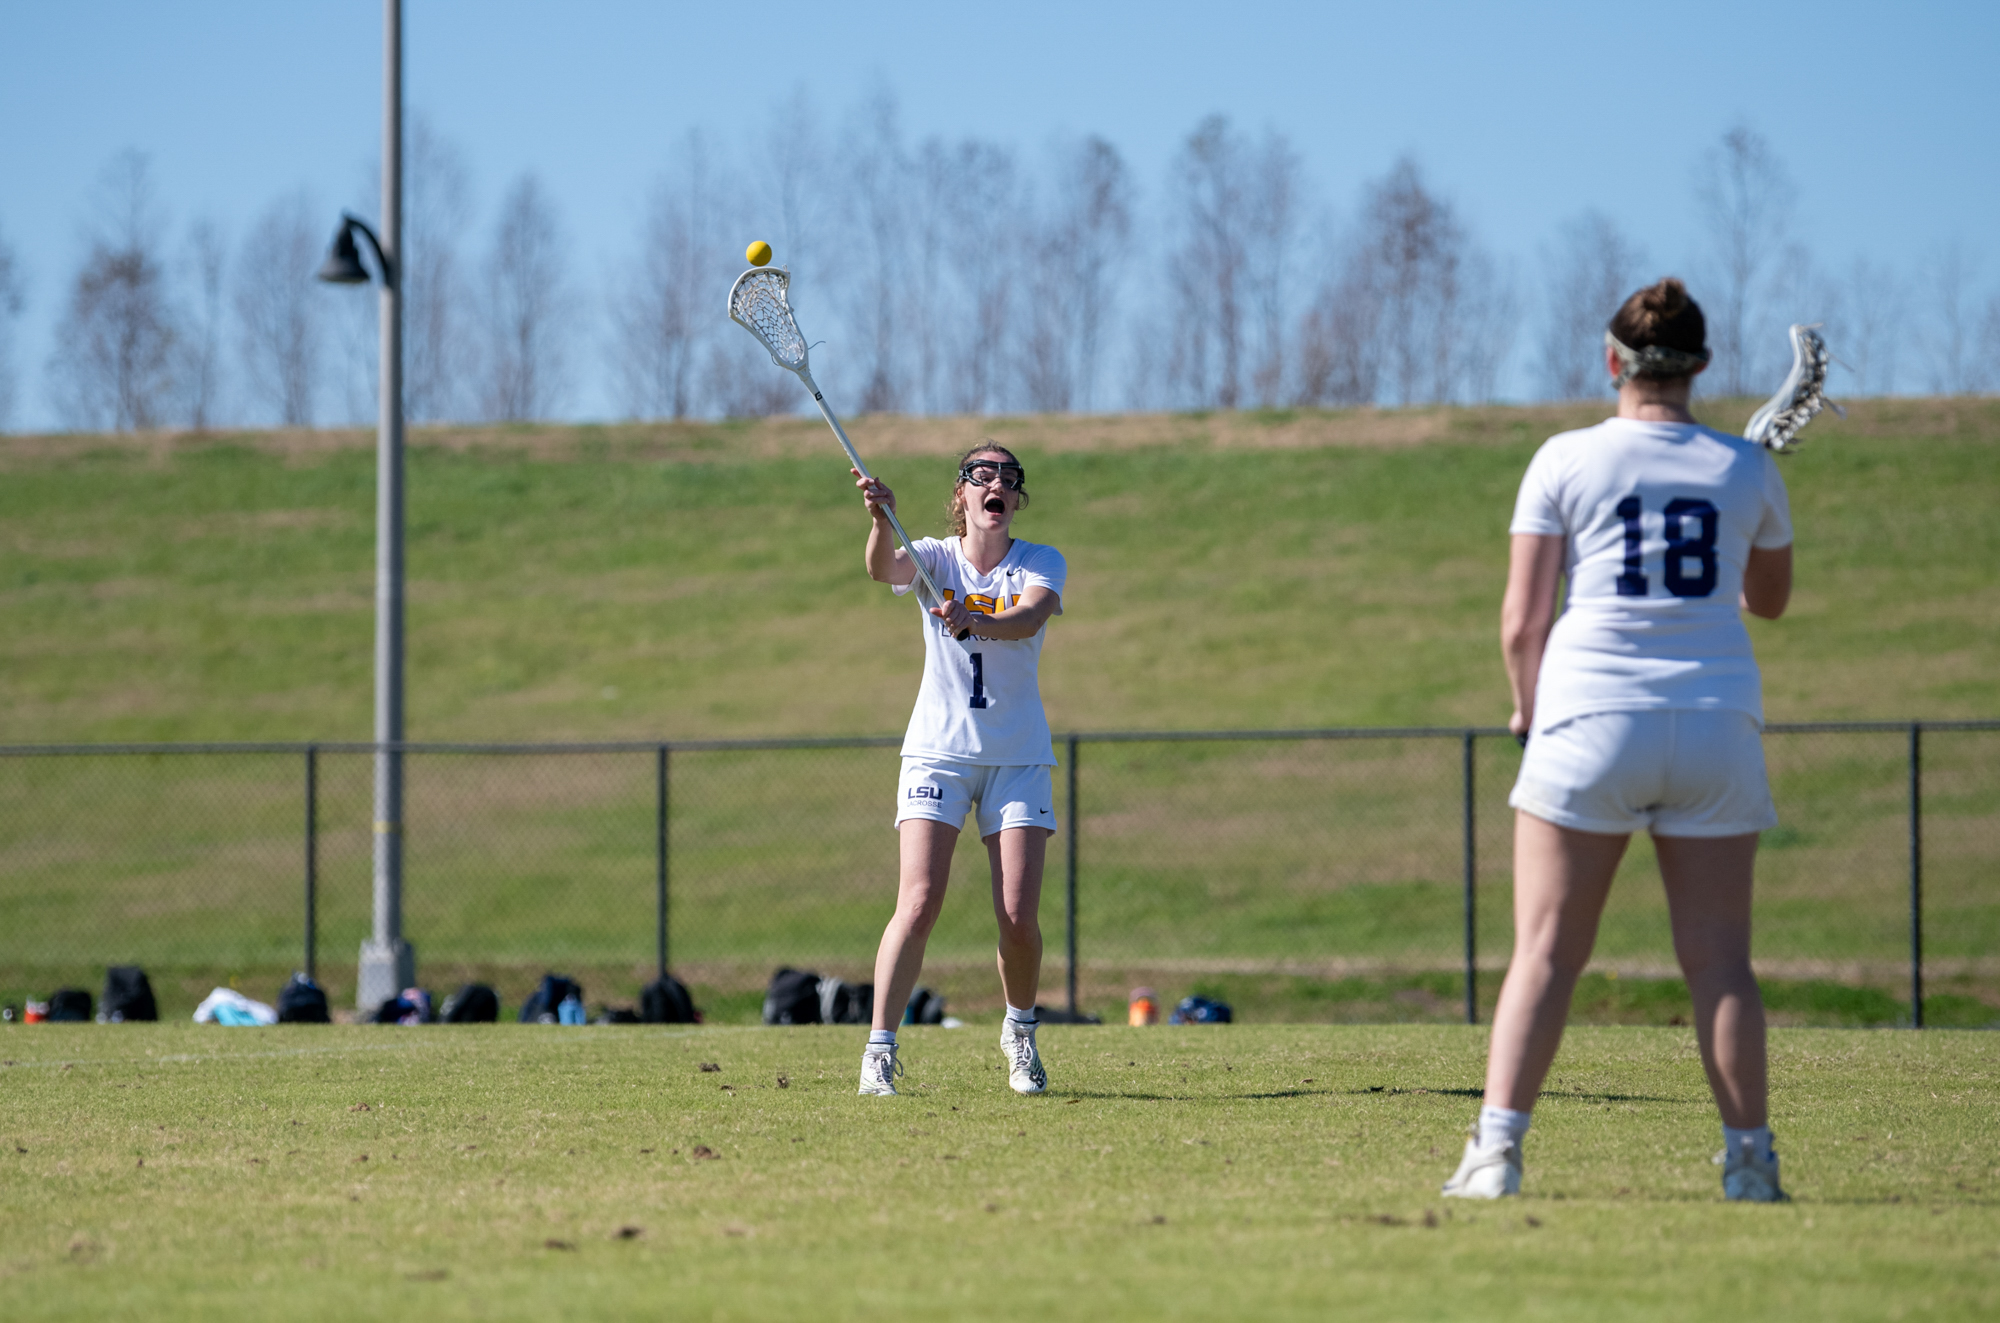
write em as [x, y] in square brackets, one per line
[1523, 115]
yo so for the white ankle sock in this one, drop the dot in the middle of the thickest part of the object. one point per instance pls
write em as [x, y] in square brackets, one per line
[1022, 1020]
[1501, 1126]
[881, 1038]
[1757, 1140]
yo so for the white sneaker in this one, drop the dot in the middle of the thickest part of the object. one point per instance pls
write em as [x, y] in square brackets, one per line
[1486, 1173]
[1024, 1063]
[1751, 1178]
[879, 1069]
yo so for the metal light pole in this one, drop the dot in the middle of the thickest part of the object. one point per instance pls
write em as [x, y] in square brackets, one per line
[388, 964]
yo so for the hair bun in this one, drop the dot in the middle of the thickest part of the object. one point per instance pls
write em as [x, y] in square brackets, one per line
[1662, 314]
[1664, 300]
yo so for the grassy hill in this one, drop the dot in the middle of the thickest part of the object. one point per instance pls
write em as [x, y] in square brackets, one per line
[1322, 568]
[1235, 571]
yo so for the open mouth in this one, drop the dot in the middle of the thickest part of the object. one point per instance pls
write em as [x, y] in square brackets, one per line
[994, 505]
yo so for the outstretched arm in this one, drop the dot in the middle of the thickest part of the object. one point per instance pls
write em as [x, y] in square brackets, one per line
[1534, 572]
[1019, 621]
[886, 562]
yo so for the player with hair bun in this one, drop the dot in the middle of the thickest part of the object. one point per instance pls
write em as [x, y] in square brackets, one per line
[1641, 707]
[978, 740]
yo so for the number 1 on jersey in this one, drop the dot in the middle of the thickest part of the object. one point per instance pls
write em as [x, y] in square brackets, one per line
[978, 680]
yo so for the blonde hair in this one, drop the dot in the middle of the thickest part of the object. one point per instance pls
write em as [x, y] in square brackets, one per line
[954, 506]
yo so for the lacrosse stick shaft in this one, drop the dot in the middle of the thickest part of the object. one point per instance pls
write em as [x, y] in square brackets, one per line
[927, 589]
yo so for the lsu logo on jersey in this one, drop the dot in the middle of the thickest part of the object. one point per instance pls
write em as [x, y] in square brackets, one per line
[926, 792]
[982, 605]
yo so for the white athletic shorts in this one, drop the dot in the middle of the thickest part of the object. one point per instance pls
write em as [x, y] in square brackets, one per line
[1678, 771]
[944, 791]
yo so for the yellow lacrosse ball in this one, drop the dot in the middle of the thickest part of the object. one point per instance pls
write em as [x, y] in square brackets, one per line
[758, 253]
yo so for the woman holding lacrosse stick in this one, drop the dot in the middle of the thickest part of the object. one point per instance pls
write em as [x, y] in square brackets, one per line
[978, 737]
[1641, 707]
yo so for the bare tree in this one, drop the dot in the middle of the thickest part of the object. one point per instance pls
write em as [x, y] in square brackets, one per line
[1339, 355]
[1482, 327]
[663, 302]
[204, 263]
[1207, 276]
[788, 197]
[280, 312]
[1412, 248]
[1989, 336]
[437, 214]
[1948, 333]
[528, 307]
[1587, 272]
[1077, 252]
[1868, 331]
[1271, 222]
[877, 204]
[13, 298]
[113, 362]
[1414, 312]
[973, 311]
[1746, 201]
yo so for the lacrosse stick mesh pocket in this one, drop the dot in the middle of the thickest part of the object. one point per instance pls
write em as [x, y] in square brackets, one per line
[758, 304]
[1799, 399]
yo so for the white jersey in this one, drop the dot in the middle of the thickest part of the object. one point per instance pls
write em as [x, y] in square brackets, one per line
[981, 701]
[1659, 520]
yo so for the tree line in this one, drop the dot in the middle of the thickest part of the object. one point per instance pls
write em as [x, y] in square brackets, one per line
[956, 276]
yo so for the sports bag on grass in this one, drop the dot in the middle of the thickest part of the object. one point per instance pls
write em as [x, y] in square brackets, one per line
[69, 1004]
[544, 1004]
[792, 998]
[667, 1001]
[302, 1001]
[475, 1003]
[128, 995]
[841, 1002]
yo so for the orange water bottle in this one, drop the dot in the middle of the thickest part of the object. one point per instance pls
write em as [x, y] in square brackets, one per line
[1145, 1008]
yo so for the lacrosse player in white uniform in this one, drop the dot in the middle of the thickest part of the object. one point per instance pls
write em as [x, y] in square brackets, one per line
[1641, 707]
[978, 741]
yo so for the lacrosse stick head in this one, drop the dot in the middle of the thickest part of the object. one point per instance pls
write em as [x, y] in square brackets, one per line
[1803, 395]
[757, 303]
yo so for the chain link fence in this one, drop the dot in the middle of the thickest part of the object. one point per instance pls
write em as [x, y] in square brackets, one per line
[1356, 868]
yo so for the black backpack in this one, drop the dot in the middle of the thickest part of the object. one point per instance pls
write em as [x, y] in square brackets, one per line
[69, 1004]
[841, 1002]
[926, 1007]
[128, 995]
[542, 1003]
[475, 1003]
[667, 1001]
[792, 998]
[302, 1001]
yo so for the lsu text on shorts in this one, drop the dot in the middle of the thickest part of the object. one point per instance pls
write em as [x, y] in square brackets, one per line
[943, 790]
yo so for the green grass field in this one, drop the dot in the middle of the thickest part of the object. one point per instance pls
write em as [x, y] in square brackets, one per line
[172, 1172]
[1245, 570]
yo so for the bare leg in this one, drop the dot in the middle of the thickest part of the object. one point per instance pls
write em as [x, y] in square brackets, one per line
[1017, 855]
[1708, 894]
[926, 868]
[1561, 879]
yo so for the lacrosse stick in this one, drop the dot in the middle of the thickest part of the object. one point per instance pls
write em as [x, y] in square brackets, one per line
[1778, 423]
[758, 304]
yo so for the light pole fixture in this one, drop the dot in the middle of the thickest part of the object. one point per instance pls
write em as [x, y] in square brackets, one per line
[388, 964]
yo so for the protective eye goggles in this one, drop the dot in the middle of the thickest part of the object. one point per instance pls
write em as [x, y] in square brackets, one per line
[981, 473]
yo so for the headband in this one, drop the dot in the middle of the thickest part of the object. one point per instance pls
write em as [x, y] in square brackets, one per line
[1653, 361]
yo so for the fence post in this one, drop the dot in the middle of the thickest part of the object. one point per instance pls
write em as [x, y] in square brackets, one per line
[1916, 876]
[660, 854]
[1070, 878]
[312, 862]
[1471, 896]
